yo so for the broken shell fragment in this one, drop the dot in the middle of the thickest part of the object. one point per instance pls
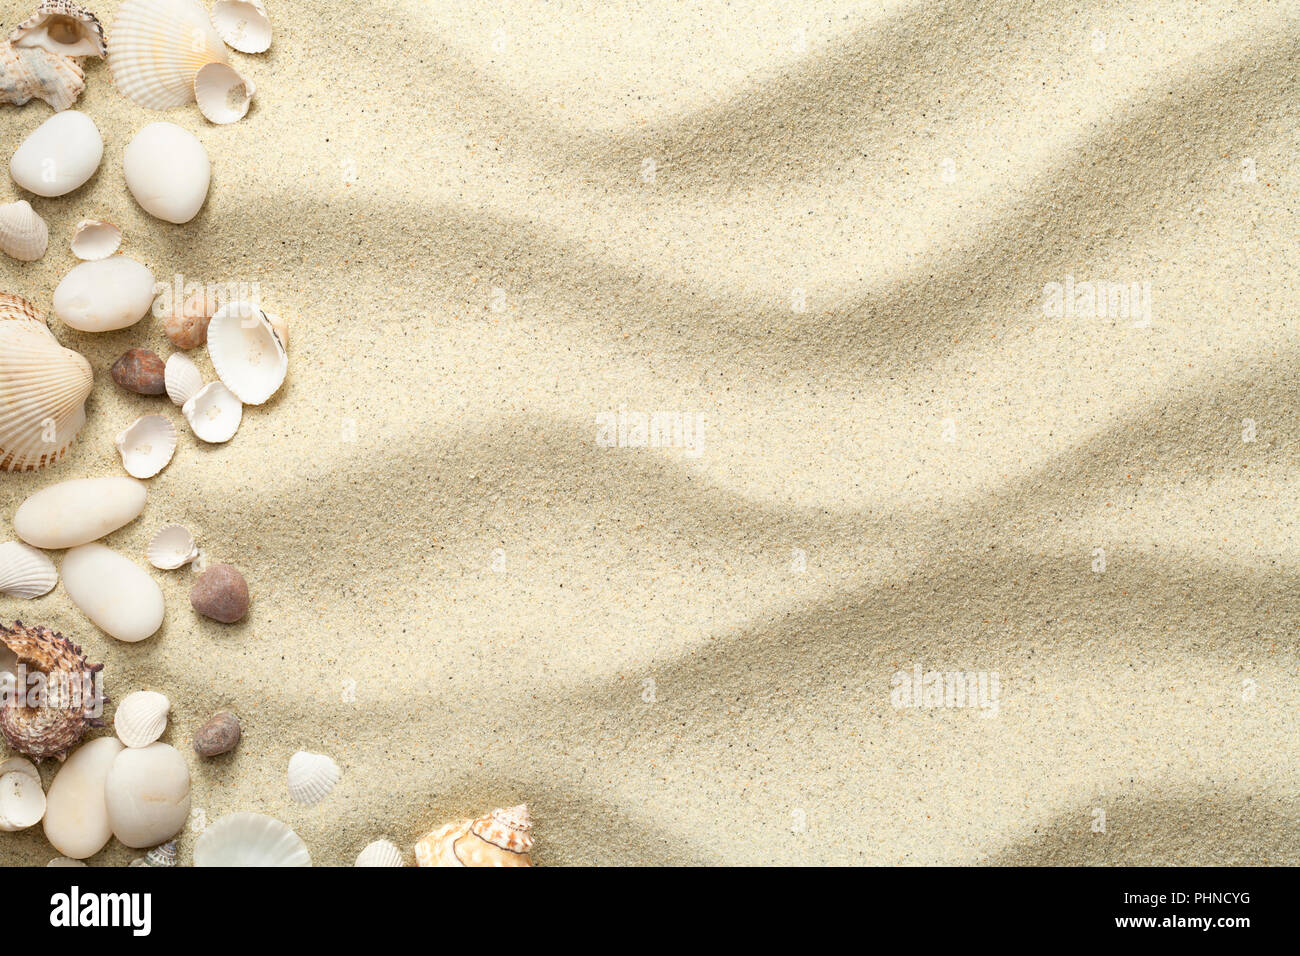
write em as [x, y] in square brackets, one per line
[250, 839]
[78, 511]
[155, 48]
[140, 371]
[311, 777]
[171, 548]
[181, 378]
[502, 838]
[188, 327]
[243, 24]
[141, 718]
[222, 94]
[23, 234]
[246, 352]
[380, 853]
[147, 446]
[25, 572]
[58, 156]
[61, 27]
[118, 595]
[95, 239]
[214, 413]
[54, 727]
[220, 593]
[218, 736]
[22, 801]
[32, 73]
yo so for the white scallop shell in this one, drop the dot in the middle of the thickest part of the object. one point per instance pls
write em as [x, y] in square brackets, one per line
[157, 47]
[171, 548]
[22, 801]
[30, 72]
[94, 239]
[222, 94]
[61, 27]
[380, 853]
[43, 389]
[250, 839]
[243, 24]
[182, 378]
[147, 446]
[311, 777]
[23, 234]
[141, 718]
[25, 572]
[214, 413]
[246, 352]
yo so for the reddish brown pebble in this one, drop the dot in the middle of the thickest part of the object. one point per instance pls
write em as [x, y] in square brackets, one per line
[220, 593]
[140, 371]
[218, 736]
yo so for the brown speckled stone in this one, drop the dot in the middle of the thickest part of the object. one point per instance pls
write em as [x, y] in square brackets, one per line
[140, 371]
[220, 593]
[219, 735]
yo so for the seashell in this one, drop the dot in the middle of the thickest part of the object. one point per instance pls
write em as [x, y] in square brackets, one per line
[78, 511]
[141, 718]
[171, 548]
[41, 384]
[222, 94]
[76, 815]
[218, 736]
[148, 795]
[140, 371]
[220, 593]
[189, 327]
[156, 47]
[104, 296]
[181, 378]
[168, 172]
[61, 27]
[23, 234]
[250, 839]
[25, 572]
[118, 595]
[311, 777]
[20, 765]
[502, 838]
[32, 73]
[246, 352]
[214, 413]
[22, 801]
[95, 239]
[281, 327]
[380, 853]
[58, 156]
[65, 862]
[147, 446]
[56, 727]
[164, 855]
[243, 24]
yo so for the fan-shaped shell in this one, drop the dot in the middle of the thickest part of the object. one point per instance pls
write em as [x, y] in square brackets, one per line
[141, 718]
[214, 413]
[49, 730]
[243, 24]
[250, 839]
[23, 234]
[32, 73]
[502, 838]
[157, 47]
[171, 548]
[25, 572]
[311, 777]
[147, 446]
[222, 94]
[94, 239]
[246, 352]
[380, 853]
[182, 377]
[43, 389]
[61, 27]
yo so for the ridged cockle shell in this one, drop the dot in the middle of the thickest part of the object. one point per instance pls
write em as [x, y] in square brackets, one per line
[502, 838]
[50, 723]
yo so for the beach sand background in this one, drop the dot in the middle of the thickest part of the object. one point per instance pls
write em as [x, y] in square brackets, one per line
[826, 228]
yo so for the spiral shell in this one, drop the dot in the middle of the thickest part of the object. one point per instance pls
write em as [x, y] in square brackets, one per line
[502, 838]
[72, 702]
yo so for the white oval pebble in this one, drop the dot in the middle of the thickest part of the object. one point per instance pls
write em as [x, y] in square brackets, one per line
[22, 801]
[168, 171]
[105, 295]
[148, 795]
[59, 155]
[76, 815]
[79, 511]
[116, 594]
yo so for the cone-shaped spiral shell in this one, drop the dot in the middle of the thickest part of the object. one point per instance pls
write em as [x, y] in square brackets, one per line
[222, 94]
[147, 446]
[61, 27]
[243, 24]
[25, 572]
[171, 548]
[311, 777]
[32, 73]
[380, 853]
[141, 718]
[157, 47]
[43, 389]
[502, 838]
[250, 839]
[23, 234]
[49, 730]
[94, 239]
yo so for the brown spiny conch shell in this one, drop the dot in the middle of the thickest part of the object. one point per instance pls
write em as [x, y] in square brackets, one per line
[31, 72]
[502, 838]
[61, 27]
[48, 718]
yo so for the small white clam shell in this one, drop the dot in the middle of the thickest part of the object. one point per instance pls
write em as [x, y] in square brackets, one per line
[250, 839]
[147, 446]
[311, 777]
[95, 239]
[214, 413]
[222, 94]
[141, 718]
[380, 853]
[25, 572]
[22, 801]
[23, 233]
[171, 548]
[182, 378]
[243, 24]
[246, 352]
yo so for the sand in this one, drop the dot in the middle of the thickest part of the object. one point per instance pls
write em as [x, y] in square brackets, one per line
[826, 231]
